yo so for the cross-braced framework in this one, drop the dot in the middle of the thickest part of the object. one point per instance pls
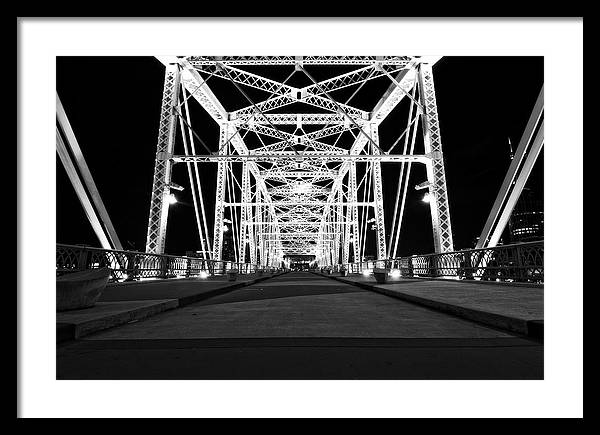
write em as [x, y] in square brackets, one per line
[299, 169]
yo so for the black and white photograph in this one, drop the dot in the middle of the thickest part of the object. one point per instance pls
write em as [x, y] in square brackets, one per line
[258, 217]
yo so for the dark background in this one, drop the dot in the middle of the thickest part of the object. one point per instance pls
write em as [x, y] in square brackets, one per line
[113, 104]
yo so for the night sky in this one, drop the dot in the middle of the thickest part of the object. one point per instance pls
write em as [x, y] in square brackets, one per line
[113, 104]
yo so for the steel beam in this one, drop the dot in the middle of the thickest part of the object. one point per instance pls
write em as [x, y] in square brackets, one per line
[306, 156]
[304, 60]
[298, 119]
[440, 210]
[378, 196]
[82, 181]
[244, 212]
[77, 184]
[518, 172]
[159, 204]
[220, 198]
[304, 203]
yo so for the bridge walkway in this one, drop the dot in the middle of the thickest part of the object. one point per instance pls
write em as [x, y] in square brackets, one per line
[301, 326]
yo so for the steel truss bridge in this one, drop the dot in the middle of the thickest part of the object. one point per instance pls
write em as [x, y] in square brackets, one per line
[292, 190]
[299, 168]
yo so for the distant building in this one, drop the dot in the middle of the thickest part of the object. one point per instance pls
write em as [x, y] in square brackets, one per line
[526, 223]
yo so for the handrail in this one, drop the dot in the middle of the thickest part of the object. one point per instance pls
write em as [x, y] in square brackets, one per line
[520, 262]
[134, 265]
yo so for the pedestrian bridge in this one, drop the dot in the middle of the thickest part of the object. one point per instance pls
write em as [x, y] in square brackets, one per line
[299, 175]
[299, 171]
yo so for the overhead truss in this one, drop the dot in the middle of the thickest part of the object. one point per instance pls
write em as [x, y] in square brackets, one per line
[302, 181]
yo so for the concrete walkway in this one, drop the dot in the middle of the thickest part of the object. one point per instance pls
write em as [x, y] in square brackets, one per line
[301, 326]
[129, 302]
[513, 307]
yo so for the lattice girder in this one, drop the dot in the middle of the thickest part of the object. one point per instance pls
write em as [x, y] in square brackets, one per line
[300, 193]
[440, 211]
[305, 60]
[159, 204]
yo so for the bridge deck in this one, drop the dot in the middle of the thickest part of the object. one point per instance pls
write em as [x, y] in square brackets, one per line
[301, 326]
[517, 307]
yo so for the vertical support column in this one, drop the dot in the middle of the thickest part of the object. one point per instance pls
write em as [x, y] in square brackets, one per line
[347, 220]
[440, 211]
[260, 229]
[269, 240]
[159, 205]
[354, 200]
[319, 247]
[252, 227]
[330, 235]
[338, 226]
[378, 196]
[220, 196]
[245, 198]
[329, 230]
[326, 242]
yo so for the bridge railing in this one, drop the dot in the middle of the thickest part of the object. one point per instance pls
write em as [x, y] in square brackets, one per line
[522, 262]
[133, 265]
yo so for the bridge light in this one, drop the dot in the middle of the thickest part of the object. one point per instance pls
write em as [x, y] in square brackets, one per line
[367, 272]
[426, 198]
[176, 186]
[395, 273]
[225, 228]
[171, 198]
[423, 185]
[203, 274]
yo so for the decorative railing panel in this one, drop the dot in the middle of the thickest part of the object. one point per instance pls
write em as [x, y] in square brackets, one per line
[131, 265]
[523, 262]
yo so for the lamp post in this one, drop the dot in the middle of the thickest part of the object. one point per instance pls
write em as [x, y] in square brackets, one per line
[424, 185]
[172, 199]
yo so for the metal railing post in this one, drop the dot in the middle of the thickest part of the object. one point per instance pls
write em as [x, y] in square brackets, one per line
[164, 267]
[188, 267]
[82, 261]
[131, 269]
[467, 266]
[521, 272]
